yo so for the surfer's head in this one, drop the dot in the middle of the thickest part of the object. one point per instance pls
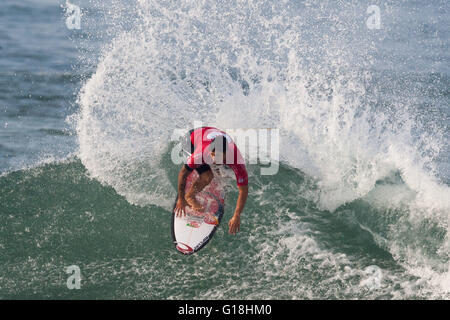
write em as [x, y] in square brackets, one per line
[219, 148]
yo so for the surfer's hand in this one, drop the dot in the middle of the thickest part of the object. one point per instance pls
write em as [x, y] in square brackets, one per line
[180, 208]
[234, 224]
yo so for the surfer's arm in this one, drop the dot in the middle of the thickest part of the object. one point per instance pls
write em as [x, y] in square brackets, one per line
[242, 183]
[235, 221]
[182, 177]
[181, 202]
[243, 194]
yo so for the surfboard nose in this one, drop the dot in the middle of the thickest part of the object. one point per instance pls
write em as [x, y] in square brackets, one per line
[184, 248]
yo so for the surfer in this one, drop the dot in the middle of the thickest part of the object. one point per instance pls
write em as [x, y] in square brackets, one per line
[205, 146]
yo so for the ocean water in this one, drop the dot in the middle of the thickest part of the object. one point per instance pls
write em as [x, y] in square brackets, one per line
[359, 208]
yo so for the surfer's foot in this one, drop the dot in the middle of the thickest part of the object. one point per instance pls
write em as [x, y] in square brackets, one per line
[195, 205]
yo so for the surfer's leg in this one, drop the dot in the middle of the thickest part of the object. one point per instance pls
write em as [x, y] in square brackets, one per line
[205, 177]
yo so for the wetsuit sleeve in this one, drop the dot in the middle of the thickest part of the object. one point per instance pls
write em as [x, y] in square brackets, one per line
[241, 174]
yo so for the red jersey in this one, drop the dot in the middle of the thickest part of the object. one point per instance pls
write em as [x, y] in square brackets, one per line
[201, 138]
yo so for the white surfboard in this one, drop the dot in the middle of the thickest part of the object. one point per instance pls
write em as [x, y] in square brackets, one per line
[192, 232]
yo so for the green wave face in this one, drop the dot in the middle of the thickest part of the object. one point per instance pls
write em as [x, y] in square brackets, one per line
[55, 216]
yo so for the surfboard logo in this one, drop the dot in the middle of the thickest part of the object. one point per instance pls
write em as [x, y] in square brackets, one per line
[193, 224]
[211, 219]
[202, 243]
[184, 248]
